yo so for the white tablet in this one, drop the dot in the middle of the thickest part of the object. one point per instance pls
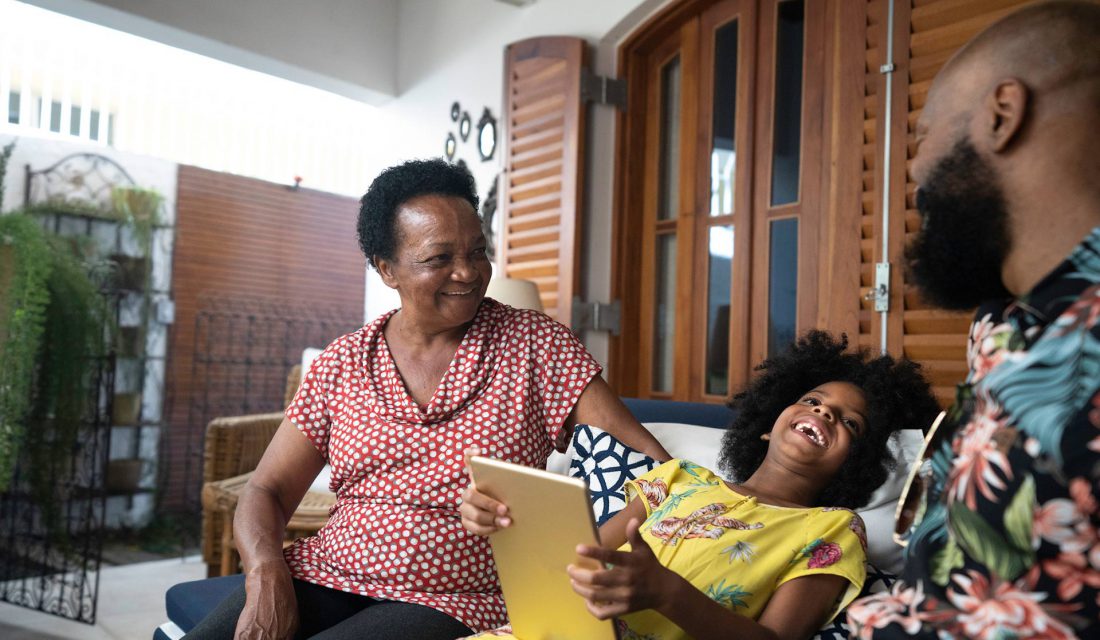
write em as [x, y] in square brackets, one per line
[551, 514]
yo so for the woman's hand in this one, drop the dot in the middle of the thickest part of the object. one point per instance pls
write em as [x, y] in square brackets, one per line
[481, 514]
[636, 580]
[270, 607]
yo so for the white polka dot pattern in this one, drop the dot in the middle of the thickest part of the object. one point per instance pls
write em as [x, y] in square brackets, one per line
[397, 469]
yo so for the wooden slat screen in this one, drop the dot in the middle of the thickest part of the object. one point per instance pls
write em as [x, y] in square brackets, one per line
[240, 237]
[927, 33]
[542, 187]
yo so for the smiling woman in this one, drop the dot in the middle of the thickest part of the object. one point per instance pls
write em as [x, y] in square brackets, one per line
[392, 408]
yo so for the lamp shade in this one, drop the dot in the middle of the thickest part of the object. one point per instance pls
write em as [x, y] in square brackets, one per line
[521, 294]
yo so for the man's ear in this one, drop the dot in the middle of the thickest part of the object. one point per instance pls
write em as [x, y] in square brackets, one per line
[1008, 109]
[385, 271]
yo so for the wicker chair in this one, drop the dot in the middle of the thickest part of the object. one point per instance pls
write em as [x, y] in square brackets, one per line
[232, 450]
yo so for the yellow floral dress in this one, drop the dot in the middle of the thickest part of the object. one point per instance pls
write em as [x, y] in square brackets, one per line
[733, 548]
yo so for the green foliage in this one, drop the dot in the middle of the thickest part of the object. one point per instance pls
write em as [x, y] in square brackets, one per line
[75, 322]
[140, 208]
[5, 155]
[25, 265]
[54, 322]
[71, 207]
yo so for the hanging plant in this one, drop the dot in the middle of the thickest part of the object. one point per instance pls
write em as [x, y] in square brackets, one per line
[140, 208]
[54, 323]
[73, 340]
[25, 265]
[5, 155]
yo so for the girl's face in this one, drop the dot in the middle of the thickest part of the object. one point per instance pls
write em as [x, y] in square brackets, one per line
[814, 434]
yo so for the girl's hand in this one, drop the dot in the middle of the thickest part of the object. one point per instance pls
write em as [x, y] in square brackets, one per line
[481, 514]
[635, 581]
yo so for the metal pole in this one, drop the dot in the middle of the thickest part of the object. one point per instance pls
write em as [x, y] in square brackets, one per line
[887, 69]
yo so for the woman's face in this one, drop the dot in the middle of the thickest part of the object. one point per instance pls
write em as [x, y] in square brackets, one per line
[439, 266]
[816, 432]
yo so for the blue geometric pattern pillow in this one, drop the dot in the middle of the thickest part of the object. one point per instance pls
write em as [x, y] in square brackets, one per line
[606, 465]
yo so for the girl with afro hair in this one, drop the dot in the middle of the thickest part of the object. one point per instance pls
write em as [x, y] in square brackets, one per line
[778, 552]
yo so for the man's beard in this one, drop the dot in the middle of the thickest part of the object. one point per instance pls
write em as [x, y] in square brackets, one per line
[956, 258]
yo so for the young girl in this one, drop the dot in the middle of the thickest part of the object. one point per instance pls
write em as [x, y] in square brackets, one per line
[777, 554]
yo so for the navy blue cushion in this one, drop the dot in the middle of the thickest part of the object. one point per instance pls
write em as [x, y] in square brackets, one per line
[606, 465]
[189, 602]
[708, 415]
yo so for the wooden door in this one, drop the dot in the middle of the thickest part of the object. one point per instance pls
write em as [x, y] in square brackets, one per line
[719, 193]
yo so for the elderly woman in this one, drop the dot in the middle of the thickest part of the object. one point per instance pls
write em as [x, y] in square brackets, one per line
[392, 407]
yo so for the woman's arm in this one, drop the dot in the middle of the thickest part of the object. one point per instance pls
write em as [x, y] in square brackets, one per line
[637, 581]
[599, 406]
[283, 476]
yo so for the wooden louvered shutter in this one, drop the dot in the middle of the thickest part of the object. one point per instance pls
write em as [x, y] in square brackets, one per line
[926, 34]
[541, 189]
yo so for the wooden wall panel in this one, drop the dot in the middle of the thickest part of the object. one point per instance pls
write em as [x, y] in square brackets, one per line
[243, 238]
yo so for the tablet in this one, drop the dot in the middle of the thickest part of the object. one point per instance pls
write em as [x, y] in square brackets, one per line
[551, 515]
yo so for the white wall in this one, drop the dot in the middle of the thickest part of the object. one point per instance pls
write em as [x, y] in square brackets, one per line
[348, 47]
[454, 50]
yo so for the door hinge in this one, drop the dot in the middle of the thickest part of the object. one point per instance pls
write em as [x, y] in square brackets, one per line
[596, 316]
[603, 90]
[880, 294]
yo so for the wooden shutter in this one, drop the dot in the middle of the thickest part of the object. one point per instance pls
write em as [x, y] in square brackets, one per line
[926, 34]
[541, 190]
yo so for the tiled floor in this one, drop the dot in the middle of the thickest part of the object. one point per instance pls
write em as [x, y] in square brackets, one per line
[131, 604]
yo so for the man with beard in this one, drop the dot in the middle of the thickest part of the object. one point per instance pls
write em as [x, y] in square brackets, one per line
[1003, 536]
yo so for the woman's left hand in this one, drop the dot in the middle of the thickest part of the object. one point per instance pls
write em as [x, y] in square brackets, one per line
[636, 580]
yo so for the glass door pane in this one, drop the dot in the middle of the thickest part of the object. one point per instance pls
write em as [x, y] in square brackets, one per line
[669, 188]
[787, 126]
[723, 154]
[664, 316]
[719, 287]
[782, 284]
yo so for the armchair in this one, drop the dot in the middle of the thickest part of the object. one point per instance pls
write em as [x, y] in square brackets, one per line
[232, 449]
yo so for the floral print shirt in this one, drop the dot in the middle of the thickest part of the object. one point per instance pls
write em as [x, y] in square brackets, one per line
[1008, 547]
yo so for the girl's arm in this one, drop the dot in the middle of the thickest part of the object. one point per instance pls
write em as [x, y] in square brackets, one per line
[637, 581]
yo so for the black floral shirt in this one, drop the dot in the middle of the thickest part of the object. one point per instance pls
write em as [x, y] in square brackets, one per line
[1008, 546]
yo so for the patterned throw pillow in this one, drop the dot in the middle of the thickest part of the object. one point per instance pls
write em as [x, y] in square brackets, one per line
[606, 465]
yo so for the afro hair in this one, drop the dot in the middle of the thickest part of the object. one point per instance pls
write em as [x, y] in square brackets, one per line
[897, 395]
[377, 225]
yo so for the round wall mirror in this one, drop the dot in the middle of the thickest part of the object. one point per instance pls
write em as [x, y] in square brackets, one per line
[486, 135]
[449, 147]
[464, 126]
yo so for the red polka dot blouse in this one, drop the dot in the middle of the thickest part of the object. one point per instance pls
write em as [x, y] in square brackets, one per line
[397, 470]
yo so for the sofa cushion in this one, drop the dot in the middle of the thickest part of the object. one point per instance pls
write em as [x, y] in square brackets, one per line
[606, 465]
[189, 602]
